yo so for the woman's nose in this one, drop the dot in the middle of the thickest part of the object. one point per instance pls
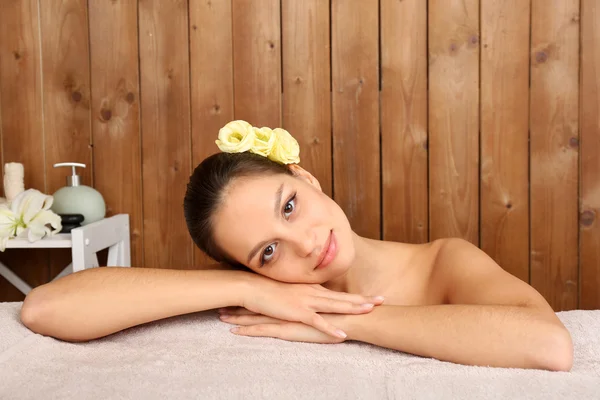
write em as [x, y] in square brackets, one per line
[306, 243]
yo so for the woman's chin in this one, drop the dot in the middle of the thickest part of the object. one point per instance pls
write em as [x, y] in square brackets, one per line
[335, 270]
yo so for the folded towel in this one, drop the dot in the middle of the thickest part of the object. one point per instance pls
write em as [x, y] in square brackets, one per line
[196, 357]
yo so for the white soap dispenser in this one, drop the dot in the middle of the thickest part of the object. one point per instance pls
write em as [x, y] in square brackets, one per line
[76, 198]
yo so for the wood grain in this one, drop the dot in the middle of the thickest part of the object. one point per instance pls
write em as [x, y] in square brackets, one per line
[116, 114]
[554, 127]
[257, 61]
[22, 125]
[306, 79]
[504, 134]
[312, 66]
[211, 68]
[404, 120]
[66, 89]
[165, 115]
[590, 156]
[355, 86]
[66, 97]
[454, 119]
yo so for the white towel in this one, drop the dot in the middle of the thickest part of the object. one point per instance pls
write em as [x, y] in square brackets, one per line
[196, 357]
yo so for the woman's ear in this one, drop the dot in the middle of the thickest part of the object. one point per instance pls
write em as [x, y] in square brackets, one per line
[304, 174]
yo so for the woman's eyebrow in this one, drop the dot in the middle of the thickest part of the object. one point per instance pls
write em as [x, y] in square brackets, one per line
[278, 196]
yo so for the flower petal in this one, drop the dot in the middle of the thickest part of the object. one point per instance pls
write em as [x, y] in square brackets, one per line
[3, 242]
[236, 137]
[48, 218]
[28, 203]
[286, 149]
[264, 140]
[36, 232]
[8, 222]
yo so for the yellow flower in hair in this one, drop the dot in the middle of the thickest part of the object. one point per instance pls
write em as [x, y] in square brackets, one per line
[264, 139]
[286, 149]
[236, 137]
[276, 144]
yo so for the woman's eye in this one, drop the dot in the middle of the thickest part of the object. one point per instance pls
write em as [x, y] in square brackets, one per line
[268, 254]
[289, 207]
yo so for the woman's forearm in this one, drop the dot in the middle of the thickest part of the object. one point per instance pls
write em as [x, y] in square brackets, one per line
[500, 336]
[97, 302]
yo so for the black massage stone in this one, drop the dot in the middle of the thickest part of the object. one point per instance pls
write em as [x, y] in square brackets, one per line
[70, 222]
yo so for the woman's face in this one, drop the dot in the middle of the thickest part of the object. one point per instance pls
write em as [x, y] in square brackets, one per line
[284, 227]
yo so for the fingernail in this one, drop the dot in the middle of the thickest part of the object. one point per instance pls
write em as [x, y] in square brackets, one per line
[224, 316]
[234, 330]
[367, 305]
[341, 333]
[379, 298]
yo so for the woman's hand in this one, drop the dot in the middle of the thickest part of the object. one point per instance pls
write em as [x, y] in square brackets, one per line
[252, 324]
[302, 303]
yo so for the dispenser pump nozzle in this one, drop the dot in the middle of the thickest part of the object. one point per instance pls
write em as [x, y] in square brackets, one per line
[73, 180]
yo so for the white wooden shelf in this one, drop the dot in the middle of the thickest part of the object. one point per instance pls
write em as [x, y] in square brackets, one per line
[109, 233]
[59, 241]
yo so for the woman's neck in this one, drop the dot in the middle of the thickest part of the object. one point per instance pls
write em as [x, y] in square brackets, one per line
[371, 258]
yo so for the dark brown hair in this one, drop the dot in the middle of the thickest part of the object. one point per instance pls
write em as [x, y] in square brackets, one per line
[205, 192]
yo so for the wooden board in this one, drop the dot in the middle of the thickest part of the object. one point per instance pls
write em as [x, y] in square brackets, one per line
[504, 134]
[211, 69]
[554, 129]
[22, 128]
[404, 121]
[454, 119]
[589, 221]
[306, 80]
[355, 88]
[116, 114]
[66, 97]
[165, 116]
[257, 61]
[66, 89]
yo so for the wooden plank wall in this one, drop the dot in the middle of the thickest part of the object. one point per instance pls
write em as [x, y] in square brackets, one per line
[505, 217]
[423, 119]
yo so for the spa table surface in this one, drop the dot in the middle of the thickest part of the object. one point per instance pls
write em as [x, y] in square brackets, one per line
[195, 357]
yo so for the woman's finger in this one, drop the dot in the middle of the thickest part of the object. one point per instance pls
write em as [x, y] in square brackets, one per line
[227, 310]
[354, 298]
[327, 305]
[265, 330]
[317, 321]
[236, 311]
[249, 320]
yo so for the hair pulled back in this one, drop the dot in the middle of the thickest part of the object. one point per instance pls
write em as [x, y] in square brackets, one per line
[206, 189]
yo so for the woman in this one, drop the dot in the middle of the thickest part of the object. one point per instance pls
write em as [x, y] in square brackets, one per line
[302, 274]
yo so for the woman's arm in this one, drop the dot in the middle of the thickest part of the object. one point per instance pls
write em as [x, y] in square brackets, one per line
[486, 335]
[492, 318]
[100, 301]
[97, 302]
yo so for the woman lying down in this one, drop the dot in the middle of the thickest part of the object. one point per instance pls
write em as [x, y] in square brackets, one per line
[298, 272]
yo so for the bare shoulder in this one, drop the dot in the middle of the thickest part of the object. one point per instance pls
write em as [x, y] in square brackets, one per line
[467, 275]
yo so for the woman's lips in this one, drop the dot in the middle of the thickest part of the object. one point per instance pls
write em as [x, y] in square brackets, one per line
[329, 252]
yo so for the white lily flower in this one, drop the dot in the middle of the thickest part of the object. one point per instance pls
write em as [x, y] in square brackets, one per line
[28, 216]
[8, 225]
